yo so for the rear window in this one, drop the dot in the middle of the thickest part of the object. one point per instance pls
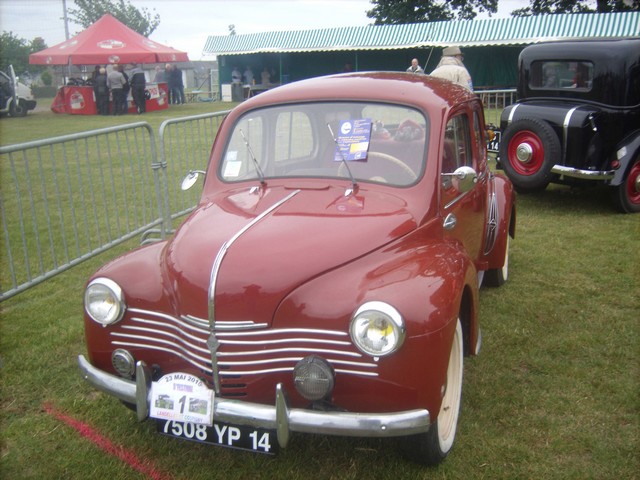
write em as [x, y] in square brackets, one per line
[561, 75]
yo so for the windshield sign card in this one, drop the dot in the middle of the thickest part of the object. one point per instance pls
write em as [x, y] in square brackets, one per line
[182, 397]
[353, 140]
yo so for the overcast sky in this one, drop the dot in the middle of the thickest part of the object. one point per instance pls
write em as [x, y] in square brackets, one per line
[186, 24]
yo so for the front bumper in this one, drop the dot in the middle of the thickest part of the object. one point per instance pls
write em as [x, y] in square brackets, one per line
[280, 417]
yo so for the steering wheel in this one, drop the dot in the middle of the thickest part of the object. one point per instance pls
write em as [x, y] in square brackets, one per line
[383, 156]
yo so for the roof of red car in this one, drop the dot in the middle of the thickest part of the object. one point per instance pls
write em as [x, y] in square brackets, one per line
[394, 87]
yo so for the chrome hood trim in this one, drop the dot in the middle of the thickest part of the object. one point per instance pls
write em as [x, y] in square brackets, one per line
[212, 342]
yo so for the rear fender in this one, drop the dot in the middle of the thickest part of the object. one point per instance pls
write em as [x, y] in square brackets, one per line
[506, 202]
[626, 151]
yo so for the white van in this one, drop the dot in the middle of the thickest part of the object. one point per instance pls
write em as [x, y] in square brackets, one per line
[15, 97]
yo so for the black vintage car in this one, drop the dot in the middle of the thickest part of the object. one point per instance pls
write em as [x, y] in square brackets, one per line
[577, 119]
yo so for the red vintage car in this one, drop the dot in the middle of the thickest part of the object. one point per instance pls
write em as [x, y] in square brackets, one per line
[327, 281]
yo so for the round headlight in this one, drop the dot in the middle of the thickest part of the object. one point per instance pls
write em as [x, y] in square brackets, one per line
[104, 301]
[377, 329]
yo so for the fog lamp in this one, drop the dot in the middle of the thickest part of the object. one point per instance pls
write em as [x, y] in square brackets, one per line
[123, 362]
[377, 329]
[313, 378]
[104, 301]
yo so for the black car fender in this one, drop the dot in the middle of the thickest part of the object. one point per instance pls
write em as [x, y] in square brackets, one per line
[626, 151]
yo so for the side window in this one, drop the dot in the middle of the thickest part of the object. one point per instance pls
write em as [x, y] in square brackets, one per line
[293, 136]
[457, 144]
[561, 74]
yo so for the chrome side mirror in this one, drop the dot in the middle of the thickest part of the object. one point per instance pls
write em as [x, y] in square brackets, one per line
[462, 179]
[190, 179]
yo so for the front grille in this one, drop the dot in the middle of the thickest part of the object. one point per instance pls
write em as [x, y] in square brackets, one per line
[244, 348]
[182, 337]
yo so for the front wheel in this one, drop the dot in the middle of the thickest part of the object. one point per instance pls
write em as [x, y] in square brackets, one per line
[626, 196]
[432, 447]
[529, 149]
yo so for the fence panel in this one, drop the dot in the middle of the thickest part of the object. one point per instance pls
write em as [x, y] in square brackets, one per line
[494, 102]
[65, 199]
[184, 145]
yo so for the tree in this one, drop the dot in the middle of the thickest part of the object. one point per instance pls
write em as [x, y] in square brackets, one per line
[15, 51]
[416, 11]
[546, 7]
[90, 11]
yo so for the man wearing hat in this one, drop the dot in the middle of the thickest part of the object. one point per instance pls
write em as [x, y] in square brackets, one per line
[451, 68]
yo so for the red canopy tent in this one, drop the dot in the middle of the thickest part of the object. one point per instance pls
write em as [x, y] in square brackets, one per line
[107, 41]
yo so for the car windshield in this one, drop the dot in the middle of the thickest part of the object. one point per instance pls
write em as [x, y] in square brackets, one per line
[370, 142]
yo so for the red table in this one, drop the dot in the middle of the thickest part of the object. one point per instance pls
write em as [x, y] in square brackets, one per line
[81, 100]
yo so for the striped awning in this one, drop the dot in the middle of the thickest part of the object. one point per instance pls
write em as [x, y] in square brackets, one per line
[463, 33]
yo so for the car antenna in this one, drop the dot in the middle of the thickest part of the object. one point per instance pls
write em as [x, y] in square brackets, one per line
[354, 185]
[429, 57]
[253, 157]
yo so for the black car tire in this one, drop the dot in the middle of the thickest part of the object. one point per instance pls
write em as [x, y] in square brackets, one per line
[17, 109]
[432, 447]
[539, 150]
[626, 196]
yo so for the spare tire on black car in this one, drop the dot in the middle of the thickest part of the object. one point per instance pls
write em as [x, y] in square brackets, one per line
[529, 148]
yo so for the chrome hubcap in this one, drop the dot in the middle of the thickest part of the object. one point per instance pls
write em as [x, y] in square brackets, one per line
[524, 152]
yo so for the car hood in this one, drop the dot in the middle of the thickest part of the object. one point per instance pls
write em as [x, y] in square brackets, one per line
[266, 243]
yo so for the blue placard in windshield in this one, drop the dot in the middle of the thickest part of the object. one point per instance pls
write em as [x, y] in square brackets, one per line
[352, 142]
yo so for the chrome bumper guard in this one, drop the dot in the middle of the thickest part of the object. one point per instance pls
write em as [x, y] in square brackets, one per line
[585, 174]
[280, 417]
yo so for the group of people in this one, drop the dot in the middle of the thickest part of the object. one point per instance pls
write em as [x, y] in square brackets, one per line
[247, 77]
[119, 83]
[172, 75]
[450, 67]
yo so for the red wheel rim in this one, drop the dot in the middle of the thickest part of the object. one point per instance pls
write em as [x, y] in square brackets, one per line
[526, 153]
[633, 184]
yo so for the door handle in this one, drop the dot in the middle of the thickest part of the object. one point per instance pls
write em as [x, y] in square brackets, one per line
[450, 222]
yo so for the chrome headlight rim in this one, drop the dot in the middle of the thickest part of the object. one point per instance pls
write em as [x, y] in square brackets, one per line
[362, 319]
[100, 291]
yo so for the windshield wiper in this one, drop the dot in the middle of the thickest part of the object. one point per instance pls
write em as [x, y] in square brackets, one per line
[354, 185]
[253, 157]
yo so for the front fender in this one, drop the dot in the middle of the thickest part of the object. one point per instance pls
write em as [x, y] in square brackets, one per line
[426, 284]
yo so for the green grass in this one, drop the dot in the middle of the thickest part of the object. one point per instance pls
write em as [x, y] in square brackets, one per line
[554, 393]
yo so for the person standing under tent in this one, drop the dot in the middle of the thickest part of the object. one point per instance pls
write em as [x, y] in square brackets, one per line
[116, 83]
[138, 85]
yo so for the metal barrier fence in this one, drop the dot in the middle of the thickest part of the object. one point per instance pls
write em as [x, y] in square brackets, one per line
[66, 199]
[494, 102]
[184, 145]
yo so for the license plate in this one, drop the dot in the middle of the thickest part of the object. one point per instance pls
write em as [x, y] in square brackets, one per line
[494, 145]
[222, 434]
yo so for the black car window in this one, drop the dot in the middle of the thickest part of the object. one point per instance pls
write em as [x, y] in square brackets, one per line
[561, 74]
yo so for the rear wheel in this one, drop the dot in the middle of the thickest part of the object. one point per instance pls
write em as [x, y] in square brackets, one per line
[529, 149]
[496, 277]
[17, 109]
[627, 195]
[432, 447]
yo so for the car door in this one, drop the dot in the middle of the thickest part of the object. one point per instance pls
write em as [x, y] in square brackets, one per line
[463, 213]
